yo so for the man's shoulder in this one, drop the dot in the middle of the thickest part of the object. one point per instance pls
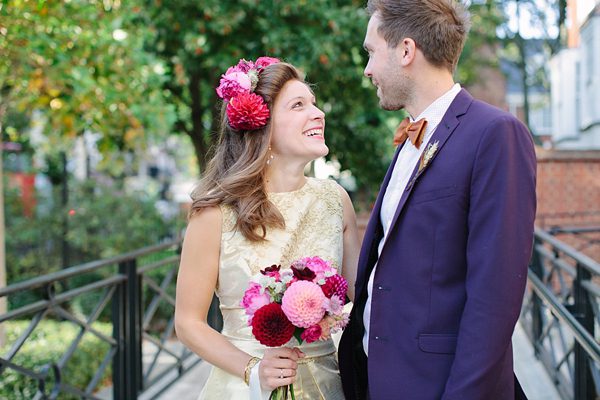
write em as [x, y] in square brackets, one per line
[485, 111]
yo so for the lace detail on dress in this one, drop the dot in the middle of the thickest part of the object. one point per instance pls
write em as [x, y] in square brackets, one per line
[228, 218]
[316, 231]
[314, 227]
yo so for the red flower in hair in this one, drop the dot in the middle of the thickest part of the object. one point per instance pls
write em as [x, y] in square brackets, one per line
[247, 111]
[271, 327]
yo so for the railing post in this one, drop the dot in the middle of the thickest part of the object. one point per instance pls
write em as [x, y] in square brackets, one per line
[134, 337]
[127, 311]
[118, 312]
[537, 268]
[583, 382]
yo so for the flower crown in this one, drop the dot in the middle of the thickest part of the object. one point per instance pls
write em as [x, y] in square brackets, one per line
[246, 110]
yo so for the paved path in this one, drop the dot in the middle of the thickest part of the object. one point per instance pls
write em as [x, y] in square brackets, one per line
[529, 371]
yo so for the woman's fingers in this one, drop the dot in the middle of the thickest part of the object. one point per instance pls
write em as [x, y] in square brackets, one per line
[271, 378]
[283, 352]
[278, 367]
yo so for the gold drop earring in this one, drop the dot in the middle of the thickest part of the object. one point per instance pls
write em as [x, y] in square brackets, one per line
[270, 156]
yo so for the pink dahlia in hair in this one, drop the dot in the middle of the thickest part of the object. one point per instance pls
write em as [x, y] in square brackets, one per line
[303, 304]
[247, 111]
[335, 285]
[311, 334]
[265, 61]
[233, 84]
[271, 327]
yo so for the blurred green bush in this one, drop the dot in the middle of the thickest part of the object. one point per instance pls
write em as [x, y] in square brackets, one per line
[103, 221]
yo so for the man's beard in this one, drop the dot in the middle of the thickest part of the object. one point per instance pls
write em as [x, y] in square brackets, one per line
[398, 94]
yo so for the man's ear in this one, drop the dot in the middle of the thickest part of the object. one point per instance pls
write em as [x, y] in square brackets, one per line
[406, 51]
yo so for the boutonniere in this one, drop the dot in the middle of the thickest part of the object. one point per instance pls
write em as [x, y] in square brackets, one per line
[427, 155]
[424, 162]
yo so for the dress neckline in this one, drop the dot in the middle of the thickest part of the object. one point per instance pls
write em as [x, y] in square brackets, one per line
[300, 190]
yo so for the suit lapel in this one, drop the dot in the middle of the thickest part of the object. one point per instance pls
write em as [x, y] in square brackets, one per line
[371, 242]
[446, 127]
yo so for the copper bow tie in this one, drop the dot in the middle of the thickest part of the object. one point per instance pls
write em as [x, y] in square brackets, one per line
[413, 130]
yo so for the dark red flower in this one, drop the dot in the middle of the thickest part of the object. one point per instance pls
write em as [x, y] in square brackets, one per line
[271, 327]
[247, 111]
[335, 284]
[273, 271]
[303, 273]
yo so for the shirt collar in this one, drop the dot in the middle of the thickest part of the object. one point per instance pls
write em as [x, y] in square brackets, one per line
[436, 110]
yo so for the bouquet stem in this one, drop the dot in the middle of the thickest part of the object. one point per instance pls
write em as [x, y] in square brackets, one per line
[281, 393]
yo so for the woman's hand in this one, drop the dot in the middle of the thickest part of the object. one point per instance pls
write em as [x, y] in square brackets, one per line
[278, 367]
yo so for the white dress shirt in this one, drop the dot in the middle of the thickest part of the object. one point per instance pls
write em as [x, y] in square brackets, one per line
[405, 164]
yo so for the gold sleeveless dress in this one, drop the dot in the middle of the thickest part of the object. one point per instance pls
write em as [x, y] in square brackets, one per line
[314, 227]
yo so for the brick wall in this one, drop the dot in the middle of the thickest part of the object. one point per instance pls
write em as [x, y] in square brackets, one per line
[568, 191]
[568, 194]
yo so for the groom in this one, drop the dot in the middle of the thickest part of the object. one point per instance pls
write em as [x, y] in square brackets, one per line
[443, 265]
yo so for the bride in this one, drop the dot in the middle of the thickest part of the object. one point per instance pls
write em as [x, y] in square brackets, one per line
[254, 208]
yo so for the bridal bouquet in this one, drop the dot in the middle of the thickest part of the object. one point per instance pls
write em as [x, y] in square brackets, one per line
[305, 301]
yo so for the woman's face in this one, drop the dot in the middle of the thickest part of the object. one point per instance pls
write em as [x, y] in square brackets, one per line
[298, 125]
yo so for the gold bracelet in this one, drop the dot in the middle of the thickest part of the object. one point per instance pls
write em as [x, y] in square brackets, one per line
[251, 363]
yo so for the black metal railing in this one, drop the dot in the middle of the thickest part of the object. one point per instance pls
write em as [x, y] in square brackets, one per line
[135, 293]
[561, 315]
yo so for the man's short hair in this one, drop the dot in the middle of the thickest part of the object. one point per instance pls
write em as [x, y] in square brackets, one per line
[438, 27]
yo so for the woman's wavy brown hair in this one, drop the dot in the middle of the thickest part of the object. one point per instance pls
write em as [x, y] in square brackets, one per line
[235, 173]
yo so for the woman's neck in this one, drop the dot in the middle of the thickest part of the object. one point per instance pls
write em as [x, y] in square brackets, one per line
[284, 179]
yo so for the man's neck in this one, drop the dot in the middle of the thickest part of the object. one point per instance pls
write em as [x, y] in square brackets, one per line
[429, 88]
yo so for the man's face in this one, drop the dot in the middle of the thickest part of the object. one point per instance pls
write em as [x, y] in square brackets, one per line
[394, 87]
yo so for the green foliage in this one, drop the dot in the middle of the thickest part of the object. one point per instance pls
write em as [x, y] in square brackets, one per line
[199, 40]
[83, 65]
[48, 343]
[486, 17]
[103, 221]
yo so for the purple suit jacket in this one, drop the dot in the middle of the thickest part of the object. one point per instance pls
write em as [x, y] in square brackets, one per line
[451, 276]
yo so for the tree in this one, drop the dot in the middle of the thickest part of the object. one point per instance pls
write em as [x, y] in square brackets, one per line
[538, 17]
[82, 64]
[200, 40]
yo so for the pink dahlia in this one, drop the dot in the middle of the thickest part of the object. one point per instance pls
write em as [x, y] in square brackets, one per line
[335, 285]
[271, 327]
[311, 334]
[247, 111]
[265, 61]
[303, 304]
[233, 84]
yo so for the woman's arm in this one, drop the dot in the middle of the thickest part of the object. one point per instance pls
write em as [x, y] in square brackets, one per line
[351, 243]
[196, 282]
